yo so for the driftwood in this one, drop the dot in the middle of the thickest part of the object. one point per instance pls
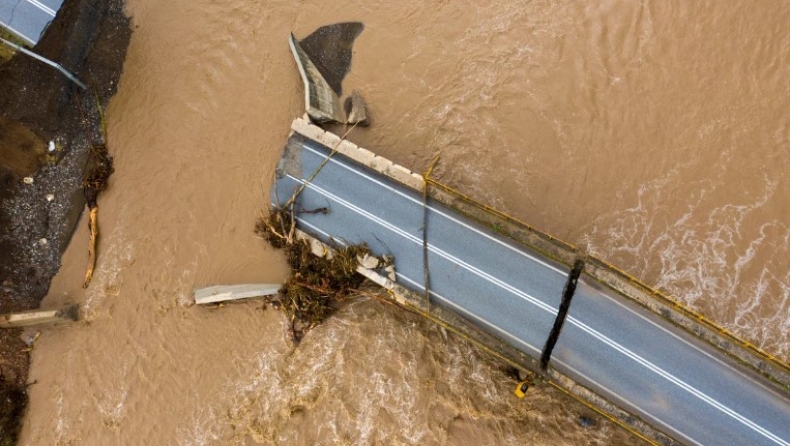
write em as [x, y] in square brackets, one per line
[95, 179]
[93, 223]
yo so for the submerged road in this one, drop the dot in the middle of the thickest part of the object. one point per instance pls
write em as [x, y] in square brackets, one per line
[28, 18]
[632, 357]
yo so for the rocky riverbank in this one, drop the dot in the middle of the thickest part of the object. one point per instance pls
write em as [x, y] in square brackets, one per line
[46, 125]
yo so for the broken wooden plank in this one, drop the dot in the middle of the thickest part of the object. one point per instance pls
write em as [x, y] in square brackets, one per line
[222, 293]
[40, 317]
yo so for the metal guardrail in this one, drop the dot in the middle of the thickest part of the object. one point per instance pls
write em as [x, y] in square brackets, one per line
[43, 59]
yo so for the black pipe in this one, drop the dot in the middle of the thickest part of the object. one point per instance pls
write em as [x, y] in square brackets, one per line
[565, 305]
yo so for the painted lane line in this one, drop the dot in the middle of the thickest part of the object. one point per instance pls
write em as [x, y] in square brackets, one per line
[554, 360]
[315, 228]
[422, 288]
[362, 174]
[692, 345]
[438, 212]
[617, 347]
[416, 240]
[518, 340]
[678, 382]
[49, 11]
[10, 28]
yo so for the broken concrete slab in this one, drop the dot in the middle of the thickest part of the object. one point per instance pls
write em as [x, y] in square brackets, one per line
[330, 48]
[355, 110]
[40, 317]
[321, 101]
[221, 293]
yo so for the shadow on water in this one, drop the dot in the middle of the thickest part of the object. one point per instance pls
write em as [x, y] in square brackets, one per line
[329, 48]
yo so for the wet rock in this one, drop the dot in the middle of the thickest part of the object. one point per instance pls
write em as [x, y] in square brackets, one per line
[355, 110]
[586, 421]
[390, 270]
[368, 261]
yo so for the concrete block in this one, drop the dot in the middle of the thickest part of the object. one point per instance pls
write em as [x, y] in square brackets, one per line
[223, 293]
[40, 317]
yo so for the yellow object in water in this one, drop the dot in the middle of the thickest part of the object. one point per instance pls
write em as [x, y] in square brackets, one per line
[521, 388]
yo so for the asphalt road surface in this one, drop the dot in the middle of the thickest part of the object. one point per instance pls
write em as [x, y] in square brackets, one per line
[28, 18]
[630, 356]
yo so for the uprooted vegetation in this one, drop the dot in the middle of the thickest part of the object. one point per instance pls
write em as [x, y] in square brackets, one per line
[317, 284]
[94, 181]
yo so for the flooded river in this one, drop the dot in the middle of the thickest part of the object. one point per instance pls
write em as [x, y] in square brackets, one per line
[652, 134]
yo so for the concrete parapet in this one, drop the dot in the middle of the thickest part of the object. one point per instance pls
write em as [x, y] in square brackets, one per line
[358, 154]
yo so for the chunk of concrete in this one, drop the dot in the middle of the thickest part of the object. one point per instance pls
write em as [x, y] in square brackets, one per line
[321, 102]
[355, 110]
[221, 293]
[39, 317]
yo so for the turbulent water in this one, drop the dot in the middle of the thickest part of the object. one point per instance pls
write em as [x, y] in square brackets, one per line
[653, 134]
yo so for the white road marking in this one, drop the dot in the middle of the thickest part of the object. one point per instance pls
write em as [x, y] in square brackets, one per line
[436, 211]
[49, 11]
[556, 361]
[690, 344]
[617, 347]
[519, 341]
[10, 28]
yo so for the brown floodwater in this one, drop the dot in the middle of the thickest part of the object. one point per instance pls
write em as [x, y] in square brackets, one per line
[654, 134]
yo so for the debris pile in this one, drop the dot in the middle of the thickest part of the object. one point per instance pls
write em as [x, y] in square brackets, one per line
[95, 179]
[317, 284]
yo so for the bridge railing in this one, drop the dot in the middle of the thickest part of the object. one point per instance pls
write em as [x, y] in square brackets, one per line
[627, 285]
[773, 368]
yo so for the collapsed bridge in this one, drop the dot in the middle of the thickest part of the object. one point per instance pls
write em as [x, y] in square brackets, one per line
[666, 374]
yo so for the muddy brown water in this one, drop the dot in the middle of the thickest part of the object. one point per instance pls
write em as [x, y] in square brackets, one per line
[653, 134]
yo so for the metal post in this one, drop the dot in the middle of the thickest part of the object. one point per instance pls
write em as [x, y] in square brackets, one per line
[57, 66]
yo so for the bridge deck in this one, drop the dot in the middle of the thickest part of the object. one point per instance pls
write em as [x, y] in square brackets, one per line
[28, 18]
[625, 353]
